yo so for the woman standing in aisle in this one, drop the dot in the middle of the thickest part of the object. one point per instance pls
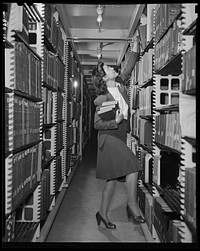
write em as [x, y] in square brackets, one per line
[115, 161]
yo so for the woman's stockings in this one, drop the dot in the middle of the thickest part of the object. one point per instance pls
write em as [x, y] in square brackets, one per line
[131, 185]
[107, 195]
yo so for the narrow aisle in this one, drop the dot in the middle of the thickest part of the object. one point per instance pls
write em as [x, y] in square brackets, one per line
[76, 222]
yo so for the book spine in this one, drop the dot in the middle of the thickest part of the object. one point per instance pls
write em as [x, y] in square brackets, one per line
[190, 195]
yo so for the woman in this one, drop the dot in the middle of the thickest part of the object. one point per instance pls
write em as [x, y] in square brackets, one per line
[115, 161]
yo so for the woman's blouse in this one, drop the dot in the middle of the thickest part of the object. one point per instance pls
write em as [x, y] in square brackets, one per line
[122, 103]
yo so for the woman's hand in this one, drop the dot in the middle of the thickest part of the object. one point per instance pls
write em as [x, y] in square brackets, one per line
[135, 44]
[119, 116]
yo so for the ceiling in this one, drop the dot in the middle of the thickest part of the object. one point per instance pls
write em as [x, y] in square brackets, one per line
[114, 34]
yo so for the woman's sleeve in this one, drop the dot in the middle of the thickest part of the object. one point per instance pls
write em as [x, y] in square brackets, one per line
[100, 124]
[129, 66]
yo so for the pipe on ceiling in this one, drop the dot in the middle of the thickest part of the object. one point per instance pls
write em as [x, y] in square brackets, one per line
[115, 40]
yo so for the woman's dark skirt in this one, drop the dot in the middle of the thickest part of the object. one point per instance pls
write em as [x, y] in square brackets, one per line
[115, 160]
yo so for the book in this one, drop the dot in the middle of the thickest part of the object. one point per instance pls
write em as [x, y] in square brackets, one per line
[112, 102]
[142, 30]
[6, 123]
[108, 107]
[190, 195]
[108, 110]
[108, 114]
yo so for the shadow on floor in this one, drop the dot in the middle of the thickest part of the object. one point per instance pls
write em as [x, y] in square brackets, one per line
[76, 221]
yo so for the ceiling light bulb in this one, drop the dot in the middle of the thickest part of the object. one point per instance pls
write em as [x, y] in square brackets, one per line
[75, 83]
[99, 55]
[99, 19]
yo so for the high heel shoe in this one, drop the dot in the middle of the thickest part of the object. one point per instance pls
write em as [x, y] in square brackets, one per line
[136, 219]
[107, 224]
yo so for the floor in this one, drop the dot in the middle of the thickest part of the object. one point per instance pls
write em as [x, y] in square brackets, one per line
[75, 220]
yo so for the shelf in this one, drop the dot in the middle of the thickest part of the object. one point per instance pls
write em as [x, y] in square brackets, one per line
[192, 141]
[32, 17]
[146, 231]
[19, 37]
[50, 219]
[27, 96]
[168, 197]
[61, 90]
[149, 187]
[49, 45]
[175, 197]
[167, 108]
[149, 46]
[25, 231]
[73, 169]
[37, 12]
[171, 25]
[160, 189]
[190, 226]
[7, 154]
[60, 120]
[147, 83]
[51, 201]
[69, 99]
[8, 90]
[47, 162]
[172, 67]
[135, 136]
[174, 206]
[44, 84]
[190, 92]
[24, 197]
[68, 147]
[191, 30]
[33, 11]
[48, 126]
[8, 45]
[59, 57]
[22, 148]
[59, 150]
[148, 117]
[167, 148]
[147, 148]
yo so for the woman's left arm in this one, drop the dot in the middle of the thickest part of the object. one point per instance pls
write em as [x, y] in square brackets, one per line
[100, 124]
[130, 64]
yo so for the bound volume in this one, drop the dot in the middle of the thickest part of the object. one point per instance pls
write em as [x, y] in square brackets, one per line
[108, 110]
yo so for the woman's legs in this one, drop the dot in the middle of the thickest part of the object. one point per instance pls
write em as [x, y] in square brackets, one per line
[107, 195]
[131, 185]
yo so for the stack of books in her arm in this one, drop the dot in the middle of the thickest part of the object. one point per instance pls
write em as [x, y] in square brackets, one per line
[108, 109]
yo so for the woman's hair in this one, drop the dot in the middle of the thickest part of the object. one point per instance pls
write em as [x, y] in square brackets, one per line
[97, 76]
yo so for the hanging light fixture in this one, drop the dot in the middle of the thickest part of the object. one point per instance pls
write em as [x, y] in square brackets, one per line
[99, 17]
[75, 83]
